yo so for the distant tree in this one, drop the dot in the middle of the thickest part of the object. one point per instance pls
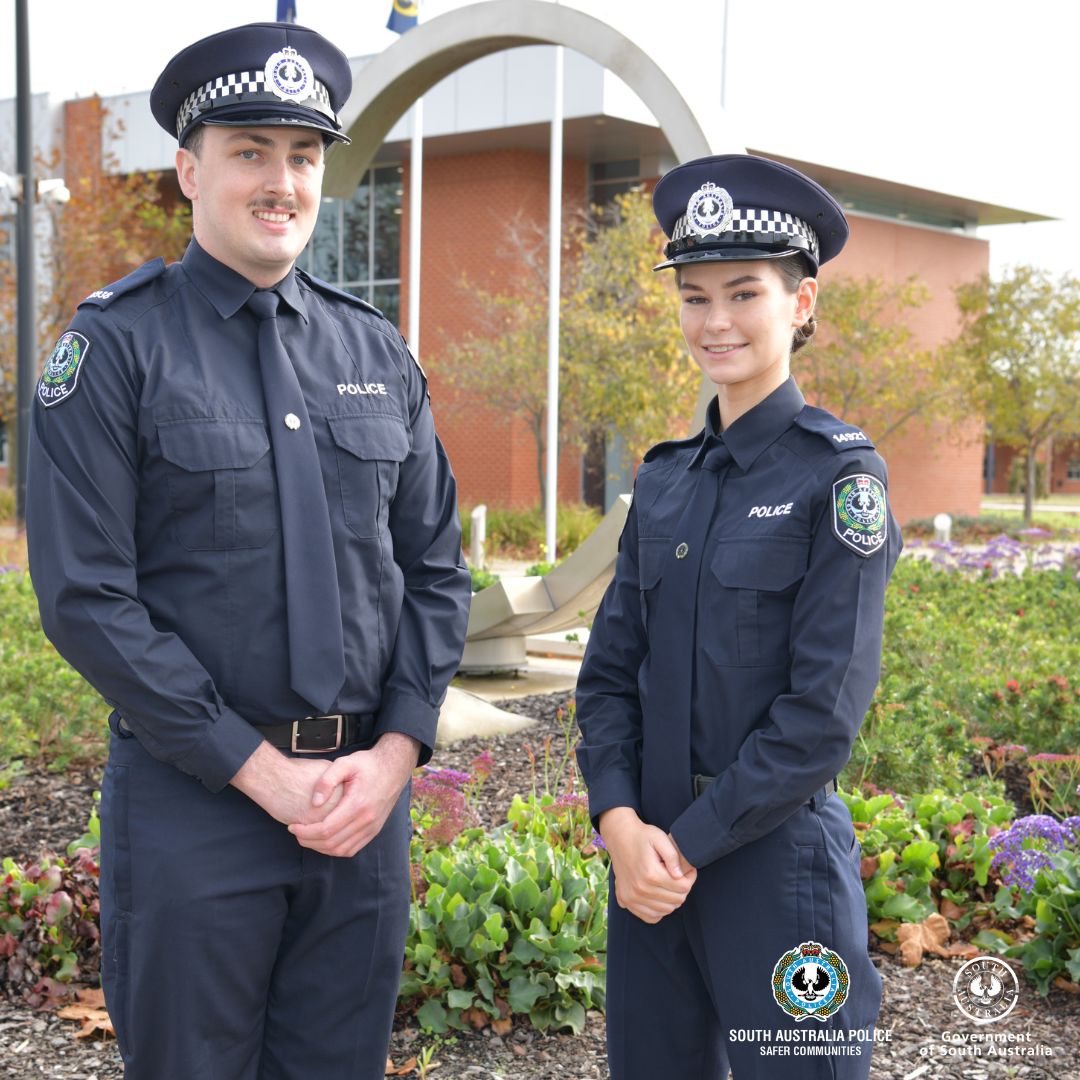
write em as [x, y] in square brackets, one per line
[112, 224]
[1021, 336]
[623, 366]
[865, 362]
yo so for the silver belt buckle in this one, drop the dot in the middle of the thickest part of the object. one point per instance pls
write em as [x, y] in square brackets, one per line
[339, 717]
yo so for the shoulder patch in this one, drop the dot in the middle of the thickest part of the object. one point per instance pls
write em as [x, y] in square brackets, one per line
[860, 516]
[656, 451]
[332, 290]
[61, 374]
[147, 272]
[839, 435]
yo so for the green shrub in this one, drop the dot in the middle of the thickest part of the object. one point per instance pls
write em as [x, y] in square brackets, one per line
[7, 502]
[46, 707]
[505, 922]
[481, 579]
[49, 934]
[520, 533]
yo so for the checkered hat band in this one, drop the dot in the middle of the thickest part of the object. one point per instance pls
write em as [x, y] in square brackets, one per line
[748, 220]
[243, 86]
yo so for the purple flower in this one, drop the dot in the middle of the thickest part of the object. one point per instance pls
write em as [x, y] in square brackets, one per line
[447, 777]
[1024, 849]
[598, 841]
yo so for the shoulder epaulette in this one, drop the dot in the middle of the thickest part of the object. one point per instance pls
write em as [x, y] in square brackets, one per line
[839, 435]
[332, 290]
[147, 272]
[691, 442]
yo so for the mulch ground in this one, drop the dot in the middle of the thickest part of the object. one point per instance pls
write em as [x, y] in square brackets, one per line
[41, 811]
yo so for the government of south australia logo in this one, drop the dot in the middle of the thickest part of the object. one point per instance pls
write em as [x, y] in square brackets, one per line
[810, 980]
[709, 210]
[985, 989]
[289, 75]
[61, 374]
[860, 517]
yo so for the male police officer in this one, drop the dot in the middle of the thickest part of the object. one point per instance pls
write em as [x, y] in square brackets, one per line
[261, 573]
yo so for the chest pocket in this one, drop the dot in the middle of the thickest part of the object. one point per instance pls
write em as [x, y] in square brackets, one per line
[750, 594]
[221, 482]
[370, 450]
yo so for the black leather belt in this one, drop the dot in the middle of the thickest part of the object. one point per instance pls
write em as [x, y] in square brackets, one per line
[702, 782]
[320, 734]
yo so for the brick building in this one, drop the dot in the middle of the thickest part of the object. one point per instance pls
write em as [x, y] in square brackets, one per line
[486, 164]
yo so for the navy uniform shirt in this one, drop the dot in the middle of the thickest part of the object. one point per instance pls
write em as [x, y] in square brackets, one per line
[789, 619]
[153, 516]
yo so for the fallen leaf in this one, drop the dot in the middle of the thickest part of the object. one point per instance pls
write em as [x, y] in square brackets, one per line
[458, 976]
[885, 928]
[502, 1026]
[868, 867]
[1067, 985]
[965, 950]
[477, 1018]
[95, 1021]
[917, 939]
[951, 910]
[403, 1069]
[889, 947]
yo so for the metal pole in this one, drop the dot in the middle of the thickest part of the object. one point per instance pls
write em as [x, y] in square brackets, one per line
[416, 178]
[554, 285]
[26, 307]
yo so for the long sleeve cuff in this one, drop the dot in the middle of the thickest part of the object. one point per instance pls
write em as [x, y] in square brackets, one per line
[229, 742]
[411, 716]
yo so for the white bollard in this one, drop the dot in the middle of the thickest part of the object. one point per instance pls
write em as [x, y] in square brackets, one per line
[942, 528]
[478, 535]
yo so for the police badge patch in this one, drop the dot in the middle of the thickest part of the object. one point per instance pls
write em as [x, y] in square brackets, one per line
[860, 517]
[61, 374]
[810, 980]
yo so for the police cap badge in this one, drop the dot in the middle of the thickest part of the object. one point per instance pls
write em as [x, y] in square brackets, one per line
[261, 73]
[741, 207]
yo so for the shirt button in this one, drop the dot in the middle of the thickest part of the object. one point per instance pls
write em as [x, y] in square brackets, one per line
[681, 551]
[292, 421]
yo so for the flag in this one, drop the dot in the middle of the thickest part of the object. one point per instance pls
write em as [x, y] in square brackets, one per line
[402, 16]
[286, 11]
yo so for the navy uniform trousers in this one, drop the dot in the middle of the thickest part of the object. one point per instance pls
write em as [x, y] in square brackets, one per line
[252, 917]
[699, 980]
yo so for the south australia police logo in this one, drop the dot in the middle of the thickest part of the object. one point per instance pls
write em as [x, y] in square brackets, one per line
[289, 75]
[860, 516]
[810, 980]
[709, 210]
[61, 374]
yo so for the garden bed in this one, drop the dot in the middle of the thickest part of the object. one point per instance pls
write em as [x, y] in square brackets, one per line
[41, 809]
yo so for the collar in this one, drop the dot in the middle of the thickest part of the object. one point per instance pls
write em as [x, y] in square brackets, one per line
[226, 290]
[756, 429]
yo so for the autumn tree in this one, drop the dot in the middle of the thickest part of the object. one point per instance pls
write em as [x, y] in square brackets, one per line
[865, 362]
[1021, 337]
[112, 224]
[623, 366]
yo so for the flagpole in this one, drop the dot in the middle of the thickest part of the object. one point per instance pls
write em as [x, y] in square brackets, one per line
[416, 176]
[554, 286]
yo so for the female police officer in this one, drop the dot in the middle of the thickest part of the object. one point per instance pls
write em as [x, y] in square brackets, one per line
[729, 668]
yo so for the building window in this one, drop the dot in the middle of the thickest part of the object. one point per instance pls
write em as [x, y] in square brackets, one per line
[1072, 469]
[4, 462]
[610, 178]
[357, 241]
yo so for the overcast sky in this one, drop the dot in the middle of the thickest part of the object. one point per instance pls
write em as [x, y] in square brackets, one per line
[972, 97]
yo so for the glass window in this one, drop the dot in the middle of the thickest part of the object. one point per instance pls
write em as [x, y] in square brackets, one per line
[357, 241]
[1072, 470]
[3, 444]
[610, 178]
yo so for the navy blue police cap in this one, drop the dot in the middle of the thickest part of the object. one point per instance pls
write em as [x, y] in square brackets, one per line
[741, 207]
[262, 73]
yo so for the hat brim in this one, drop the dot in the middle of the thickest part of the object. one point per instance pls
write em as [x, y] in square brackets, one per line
[742, 253]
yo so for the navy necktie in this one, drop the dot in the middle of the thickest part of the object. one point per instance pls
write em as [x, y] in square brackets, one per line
[666, 784]
[316, 648]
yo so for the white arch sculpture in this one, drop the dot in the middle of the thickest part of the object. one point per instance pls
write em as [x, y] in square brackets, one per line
[505, 614]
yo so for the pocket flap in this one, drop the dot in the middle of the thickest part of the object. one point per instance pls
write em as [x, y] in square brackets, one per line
[767, 565]
[651, 555]
[376, 437]
[213, 443]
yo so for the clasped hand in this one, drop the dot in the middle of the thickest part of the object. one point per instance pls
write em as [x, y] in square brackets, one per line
[652, 878]
[333, 807]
